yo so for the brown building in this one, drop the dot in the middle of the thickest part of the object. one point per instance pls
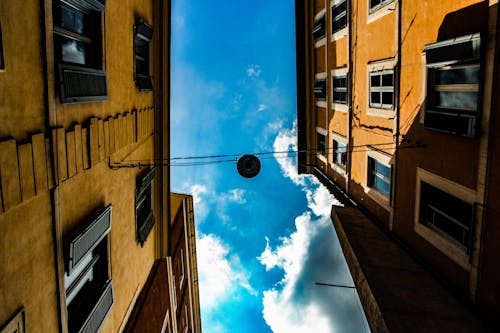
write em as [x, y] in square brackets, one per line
[397, 108]
[85, 211]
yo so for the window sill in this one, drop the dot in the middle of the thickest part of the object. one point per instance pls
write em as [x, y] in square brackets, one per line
[338, 169]
[379, 112]
[442, 244]
[339, 34]
[379, 198]
[381, 12]
[321, 104]
[320, 42]
[322, 158]
[340, 107]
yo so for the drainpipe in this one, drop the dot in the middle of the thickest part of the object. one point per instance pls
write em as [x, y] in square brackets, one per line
[397, 118]
[349, 95]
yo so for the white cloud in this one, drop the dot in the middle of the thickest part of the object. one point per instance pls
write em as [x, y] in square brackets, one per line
[309, 254]
[254, 70]
[221, 274]
[261, 108]
[287, 141]
[204, 199]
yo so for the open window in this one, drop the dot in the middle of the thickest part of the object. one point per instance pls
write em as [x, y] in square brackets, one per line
[453, 86]
[78, 50]
[89, 290]
[143, 33]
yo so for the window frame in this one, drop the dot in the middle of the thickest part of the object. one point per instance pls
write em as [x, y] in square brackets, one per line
[143, 35]
[385, 201]
[384, 8]
[144, 194]
[437, 239]
[91, 266]
[322, 154]
[381, 89]
[342, 32]
[80, 81]
[339, 168]
[453, 54]
[16, 323]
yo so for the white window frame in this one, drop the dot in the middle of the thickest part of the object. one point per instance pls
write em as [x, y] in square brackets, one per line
[320, 156]
[342, 139]
[386, 7]
[336, 73]
[344, 31]
[321, 41]
[318, 77]
[385, 159]
[382, 66]
[16, 324]
[450, 249]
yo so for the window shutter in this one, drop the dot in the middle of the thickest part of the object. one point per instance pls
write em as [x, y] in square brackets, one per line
[320, 89]
[143, 30]
[98, 5]
[462, 124]
[144, 215]
[318, 30]
[99, 312]
[89, 238]
[80, 84]
[462, 49]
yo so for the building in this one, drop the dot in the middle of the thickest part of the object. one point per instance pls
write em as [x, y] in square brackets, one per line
[397, 104]
[85, 213]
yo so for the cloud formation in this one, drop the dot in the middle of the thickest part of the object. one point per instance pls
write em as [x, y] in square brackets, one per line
[254, 70]
[310, 254]
[219, 272]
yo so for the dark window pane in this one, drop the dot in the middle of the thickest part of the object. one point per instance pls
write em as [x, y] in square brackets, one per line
[446, 214]
[72, 19]
[340, 97]
[339, 9]
[387, 80]
[375, 80]
[465, 75]
[375, 98]
[382, 186]
[387, 98]
[374, 3]
[382, 169]
[456, 99]
[73, 51]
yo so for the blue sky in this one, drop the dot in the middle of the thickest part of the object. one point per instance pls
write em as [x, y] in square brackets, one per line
[262, 243]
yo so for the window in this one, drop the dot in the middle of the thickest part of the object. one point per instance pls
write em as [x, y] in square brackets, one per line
[447, 215]
[340, 89]
[143, 33]
[89, 291]
[321, 147]
[382, 89]
[376, 4]
[143, 212]
[16, 324]
[453, 77]
[339, 16]
[318, 30]
[320, 89]
[78, 50]
[379, 176]
[2, 63]
[339, 153]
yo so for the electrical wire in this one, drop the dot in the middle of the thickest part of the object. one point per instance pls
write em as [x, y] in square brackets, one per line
[191, 160]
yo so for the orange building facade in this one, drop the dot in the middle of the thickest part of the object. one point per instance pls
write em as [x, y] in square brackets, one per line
[396, 114]
[85, 209]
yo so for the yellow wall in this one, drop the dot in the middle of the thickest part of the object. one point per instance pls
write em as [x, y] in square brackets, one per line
[27, 269]
[21, 83]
